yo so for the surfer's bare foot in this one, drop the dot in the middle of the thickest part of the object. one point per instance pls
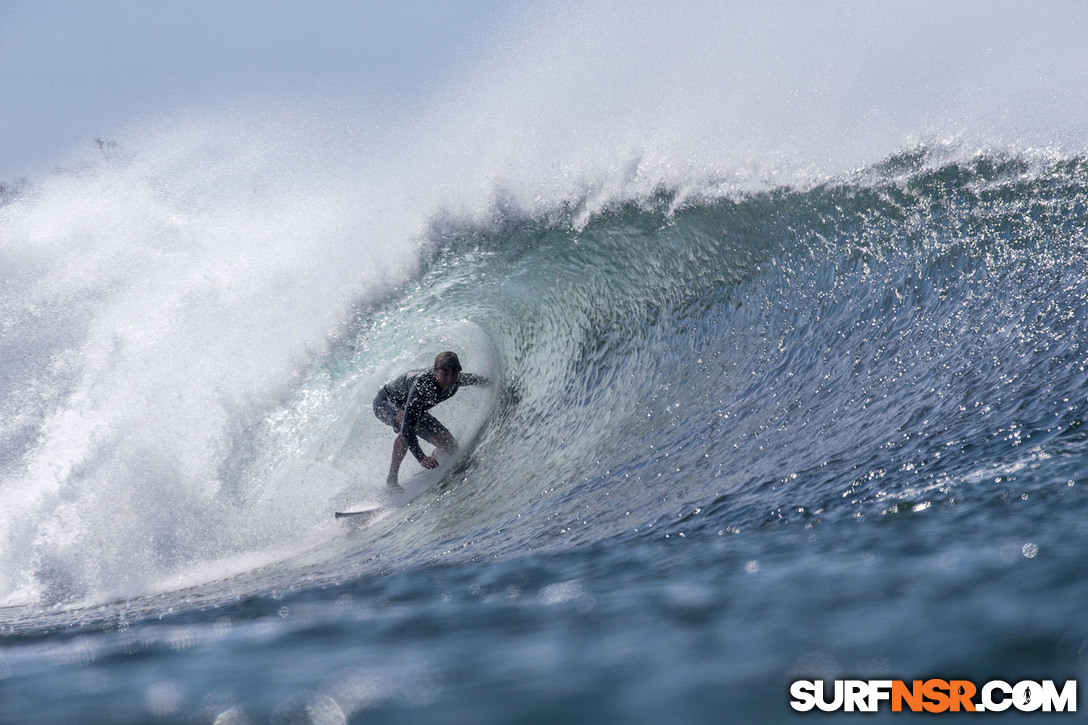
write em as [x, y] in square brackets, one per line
[393, 487]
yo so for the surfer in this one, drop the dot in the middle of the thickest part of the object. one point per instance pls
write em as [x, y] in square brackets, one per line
[403, 404]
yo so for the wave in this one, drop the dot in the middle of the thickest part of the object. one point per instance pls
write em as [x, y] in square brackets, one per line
[711, 304]
[837, 350]
[671, 363]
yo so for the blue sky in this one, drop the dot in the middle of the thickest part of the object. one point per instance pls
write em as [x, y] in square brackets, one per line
[75, 70]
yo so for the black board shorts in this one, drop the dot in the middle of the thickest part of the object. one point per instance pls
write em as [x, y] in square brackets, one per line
[427, 426]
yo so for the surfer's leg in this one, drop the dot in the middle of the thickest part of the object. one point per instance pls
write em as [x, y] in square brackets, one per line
[393, 418]
[400, 448]
[444, 443]
[432, 431]
[387, 412]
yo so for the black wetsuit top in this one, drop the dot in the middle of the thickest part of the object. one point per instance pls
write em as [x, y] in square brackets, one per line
[415, 393]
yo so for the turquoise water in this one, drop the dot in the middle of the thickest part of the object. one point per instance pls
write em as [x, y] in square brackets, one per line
[827, 432]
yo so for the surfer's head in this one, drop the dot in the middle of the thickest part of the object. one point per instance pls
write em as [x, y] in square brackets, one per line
[447, 361]
[446, 369]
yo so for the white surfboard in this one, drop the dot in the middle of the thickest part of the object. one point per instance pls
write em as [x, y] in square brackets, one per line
[360, 514]
[411, 489]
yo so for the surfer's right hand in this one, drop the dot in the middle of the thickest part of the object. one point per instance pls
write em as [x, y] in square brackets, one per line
[429, 462]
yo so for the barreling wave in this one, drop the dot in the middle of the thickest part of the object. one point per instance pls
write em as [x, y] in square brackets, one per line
[867, 345]
[674, 363]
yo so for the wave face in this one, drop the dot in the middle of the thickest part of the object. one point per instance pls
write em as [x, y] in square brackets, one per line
[906, 339]
[759, 413]
[837, 352]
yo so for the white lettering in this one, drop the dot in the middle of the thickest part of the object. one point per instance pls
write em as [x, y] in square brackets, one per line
[856, 695]
[879, 690]
[1027, 696]
[987, 696]
[1065, 701]
[834, 704]
[995, 695]
[804, 695]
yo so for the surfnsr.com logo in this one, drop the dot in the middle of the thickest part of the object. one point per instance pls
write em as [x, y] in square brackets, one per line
[934, 696]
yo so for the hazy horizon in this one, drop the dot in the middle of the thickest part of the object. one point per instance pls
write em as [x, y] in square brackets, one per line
[86, 70]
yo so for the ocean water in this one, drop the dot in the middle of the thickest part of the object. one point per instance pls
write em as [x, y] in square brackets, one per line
[755, 417]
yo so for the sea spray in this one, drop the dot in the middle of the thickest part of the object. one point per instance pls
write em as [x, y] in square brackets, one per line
[154, 305]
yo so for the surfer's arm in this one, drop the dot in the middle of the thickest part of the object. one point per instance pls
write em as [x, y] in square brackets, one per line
[472, 379]
[412, 411]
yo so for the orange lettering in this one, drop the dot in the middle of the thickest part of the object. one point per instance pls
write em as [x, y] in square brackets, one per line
[901, 692]
[961, 692]
[933, 690]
